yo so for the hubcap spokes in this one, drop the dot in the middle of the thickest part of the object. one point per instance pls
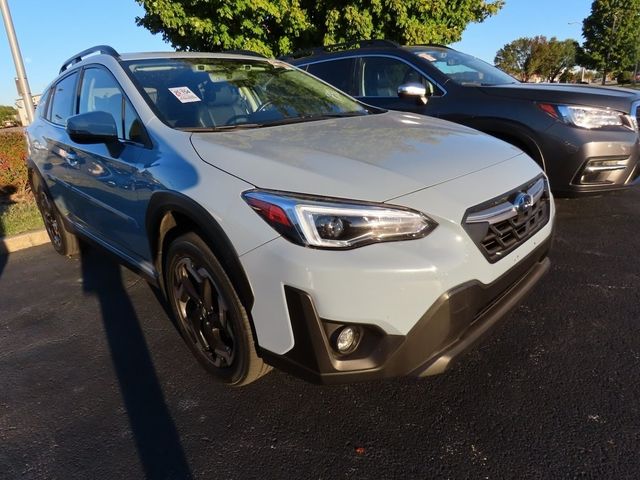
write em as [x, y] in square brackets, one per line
[203, 312]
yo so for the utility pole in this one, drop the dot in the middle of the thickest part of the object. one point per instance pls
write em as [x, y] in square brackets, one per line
[23, 84]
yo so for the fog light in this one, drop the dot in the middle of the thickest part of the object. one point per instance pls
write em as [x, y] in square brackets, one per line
[347, 339]
[604, 171]
[606, 165]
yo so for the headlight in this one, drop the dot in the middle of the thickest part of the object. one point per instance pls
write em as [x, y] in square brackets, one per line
[334, 223]
[589, 117]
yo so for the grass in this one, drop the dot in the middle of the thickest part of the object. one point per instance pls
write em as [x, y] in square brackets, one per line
[621, 85]
[19, 218]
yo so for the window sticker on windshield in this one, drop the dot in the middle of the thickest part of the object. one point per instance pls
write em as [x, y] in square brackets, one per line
[184, 94]
[427, 56]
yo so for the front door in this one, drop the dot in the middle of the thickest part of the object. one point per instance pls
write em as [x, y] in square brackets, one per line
[378, 81]
[107, 176]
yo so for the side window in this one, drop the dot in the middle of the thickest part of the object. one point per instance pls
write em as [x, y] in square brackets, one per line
[381, 76]
[101, 92]
[42, 104]
[64, 95]
[336, 72]
[133, 129]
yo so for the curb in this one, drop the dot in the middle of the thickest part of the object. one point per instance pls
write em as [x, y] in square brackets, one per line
[22, 241]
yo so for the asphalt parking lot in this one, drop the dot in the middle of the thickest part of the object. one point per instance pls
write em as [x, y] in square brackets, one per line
[96, 383]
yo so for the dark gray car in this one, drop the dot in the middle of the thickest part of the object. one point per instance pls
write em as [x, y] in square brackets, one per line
[586, 138]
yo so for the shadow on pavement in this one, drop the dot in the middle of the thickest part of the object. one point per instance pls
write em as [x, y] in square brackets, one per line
[5, 202]
[158, 443]
[4, 257]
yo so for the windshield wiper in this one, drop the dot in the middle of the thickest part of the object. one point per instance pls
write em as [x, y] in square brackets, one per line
[497, 84]
[282, 121]
[221, 128]
[338, 115]
[311, 118]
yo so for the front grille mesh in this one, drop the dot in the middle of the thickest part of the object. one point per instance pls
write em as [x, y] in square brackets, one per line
[497, 239]
[505, 236]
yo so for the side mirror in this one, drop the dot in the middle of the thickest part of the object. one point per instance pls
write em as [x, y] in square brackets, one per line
[92, 127]
[415, 91]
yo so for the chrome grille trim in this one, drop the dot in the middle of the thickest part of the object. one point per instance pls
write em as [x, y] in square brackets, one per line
[499, 226]
[506, 210]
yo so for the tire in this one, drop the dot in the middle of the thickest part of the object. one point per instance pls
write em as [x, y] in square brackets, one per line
[209, 314]
[64, 242]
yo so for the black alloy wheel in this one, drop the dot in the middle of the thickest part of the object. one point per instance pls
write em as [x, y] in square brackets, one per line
[64, 242]
[209, 313]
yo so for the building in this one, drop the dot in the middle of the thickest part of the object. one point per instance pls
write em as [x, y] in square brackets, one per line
[22, 113]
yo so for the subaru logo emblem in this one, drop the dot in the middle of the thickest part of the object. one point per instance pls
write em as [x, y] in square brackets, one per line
[523, 202]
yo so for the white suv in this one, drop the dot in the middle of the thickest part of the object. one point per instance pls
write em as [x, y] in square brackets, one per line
[287, 223]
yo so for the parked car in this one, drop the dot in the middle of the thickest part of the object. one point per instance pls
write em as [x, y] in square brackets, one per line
[585, 138]
[286, 223]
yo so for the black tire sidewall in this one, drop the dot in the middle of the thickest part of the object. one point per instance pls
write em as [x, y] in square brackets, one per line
[62, 248]
[193, 246]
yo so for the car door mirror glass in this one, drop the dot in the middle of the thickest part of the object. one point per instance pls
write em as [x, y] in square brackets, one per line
[92, 127]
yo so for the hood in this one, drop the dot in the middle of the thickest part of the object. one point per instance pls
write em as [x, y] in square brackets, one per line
[373, 157]
[616, 98]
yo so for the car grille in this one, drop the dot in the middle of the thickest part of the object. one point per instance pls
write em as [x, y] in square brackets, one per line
[501, 225]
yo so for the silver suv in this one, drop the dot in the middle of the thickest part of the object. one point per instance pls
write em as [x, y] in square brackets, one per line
[286, 223]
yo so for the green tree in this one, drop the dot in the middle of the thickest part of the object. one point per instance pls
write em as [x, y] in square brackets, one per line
[526, 57]
[7, 113]
[277, 27]
[555, 57]
[611, 35]
[520, 58]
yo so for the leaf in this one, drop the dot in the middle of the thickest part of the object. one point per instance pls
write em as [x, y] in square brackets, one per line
[278, 27]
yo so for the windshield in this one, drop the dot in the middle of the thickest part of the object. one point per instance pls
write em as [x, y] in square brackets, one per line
[463, 68]
[224, 93]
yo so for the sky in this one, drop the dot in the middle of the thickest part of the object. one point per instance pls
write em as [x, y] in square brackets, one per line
[524, 18]
[49, 32]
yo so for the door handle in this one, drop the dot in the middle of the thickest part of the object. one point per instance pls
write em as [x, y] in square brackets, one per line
[71, 158]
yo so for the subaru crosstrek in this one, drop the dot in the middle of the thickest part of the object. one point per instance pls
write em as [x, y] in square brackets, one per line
[286, 223]
[585, 138]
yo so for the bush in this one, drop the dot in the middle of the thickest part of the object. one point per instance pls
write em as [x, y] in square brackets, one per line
[624, 77]
[13, 163]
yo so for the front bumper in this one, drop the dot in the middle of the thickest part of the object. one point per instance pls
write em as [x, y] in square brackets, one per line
[579, 161]
[453, 324]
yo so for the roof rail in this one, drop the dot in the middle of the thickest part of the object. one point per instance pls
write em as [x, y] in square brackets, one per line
[105, 49]
[376, 42]
[248, 53]
[432, 45]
